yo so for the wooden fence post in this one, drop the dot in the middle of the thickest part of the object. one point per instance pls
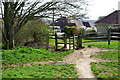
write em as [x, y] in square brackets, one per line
[79, 41]
[73, 41]
[65, 41]
[56, 42]
[108, 36]
[69, 43]
[47, 42]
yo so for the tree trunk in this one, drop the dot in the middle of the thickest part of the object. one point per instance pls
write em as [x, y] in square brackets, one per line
[35, 37]
[8, 24]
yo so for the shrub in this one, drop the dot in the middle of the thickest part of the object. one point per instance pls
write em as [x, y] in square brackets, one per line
[82, 30]
[71, 30]
[34, 30]
[91, 30]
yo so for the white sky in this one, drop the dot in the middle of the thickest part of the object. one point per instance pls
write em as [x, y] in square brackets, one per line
[98, 8]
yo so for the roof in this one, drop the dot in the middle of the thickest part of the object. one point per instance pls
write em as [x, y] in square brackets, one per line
[86, 24]
[78, 23]
[71, 24]
[113, 18]
[91, 21]
[63, 21]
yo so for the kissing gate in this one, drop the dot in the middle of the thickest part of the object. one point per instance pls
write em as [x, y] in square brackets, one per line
[68, 40]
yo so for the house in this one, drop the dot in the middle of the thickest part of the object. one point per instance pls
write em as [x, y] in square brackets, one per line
[112, 20]
[63, 21]
[89, 26]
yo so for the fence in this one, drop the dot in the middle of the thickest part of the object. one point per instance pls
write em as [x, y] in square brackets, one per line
[113, 34]
[65, 37]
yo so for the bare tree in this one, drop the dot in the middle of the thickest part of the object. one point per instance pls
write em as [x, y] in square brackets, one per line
[18, 12]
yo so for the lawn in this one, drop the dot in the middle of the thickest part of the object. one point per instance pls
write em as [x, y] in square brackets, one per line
[109, 55]
[23, 55]
[113, 45]
[41, 71]
[106, 70]
[52, 41]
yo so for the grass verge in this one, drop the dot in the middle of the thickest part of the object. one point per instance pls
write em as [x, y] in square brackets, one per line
[26, 55]
[105, 70]
[113, 45]
[41, 71]
[110, 55]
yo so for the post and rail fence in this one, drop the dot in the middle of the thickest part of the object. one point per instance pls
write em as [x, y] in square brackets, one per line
[76, 40]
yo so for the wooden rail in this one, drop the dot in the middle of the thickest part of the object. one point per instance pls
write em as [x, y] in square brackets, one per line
[111, 35]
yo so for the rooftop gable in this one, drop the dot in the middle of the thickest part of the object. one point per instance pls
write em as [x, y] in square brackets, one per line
[113, 18]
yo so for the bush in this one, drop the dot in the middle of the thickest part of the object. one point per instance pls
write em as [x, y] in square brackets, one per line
[34, 30]
[71, 30]
[91, 30]
[82, 30]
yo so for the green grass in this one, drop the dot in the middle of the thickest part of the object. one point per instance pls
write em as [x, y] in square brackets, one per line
[105, 70]
[108, 70]
[113, 45]
[86, 40]
[52, 41]
[41, 71]
[110, 55]
[26, 55]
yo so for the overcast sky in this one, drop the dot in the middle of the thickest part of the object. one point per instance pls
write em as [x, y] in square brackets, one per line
[98, 8]
[101, 8]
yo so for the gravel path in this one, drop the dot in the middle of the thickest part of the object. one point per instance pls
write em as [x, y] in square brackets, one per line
[82, 60]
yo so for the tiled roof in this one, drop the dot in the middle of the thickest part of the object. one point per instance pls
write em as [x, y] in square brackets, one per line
[113, 18]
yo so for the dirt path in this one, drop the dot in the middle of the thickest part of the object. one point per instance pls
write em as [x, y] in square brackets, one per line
[82, 60]
[41, 63]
